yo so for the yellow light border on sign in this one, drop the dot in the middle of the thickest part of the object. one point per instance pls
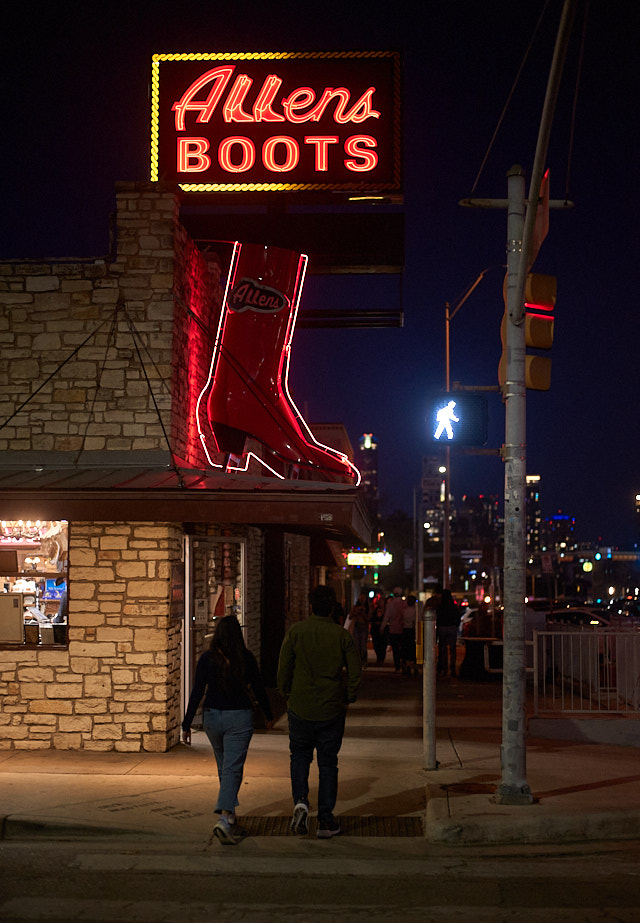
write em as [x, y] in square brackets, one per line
[156, 59]
[369, 558]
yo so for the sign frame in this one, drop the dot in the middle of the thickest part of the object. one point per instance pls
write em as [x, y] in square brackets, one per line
[320, 122]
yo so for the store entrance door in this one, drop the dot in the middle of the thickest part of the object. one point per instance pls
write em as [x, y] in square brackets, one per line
[215, 570]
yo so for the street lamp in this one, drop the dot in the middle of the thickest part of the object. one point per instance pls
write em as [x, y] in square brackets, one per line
[449, 313]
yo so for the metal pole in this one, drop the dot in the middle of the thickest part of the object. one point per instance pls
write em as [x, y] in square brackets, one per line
[416, 525]
[542, 145]
[429, 689]
[446, 534]
[514, 788]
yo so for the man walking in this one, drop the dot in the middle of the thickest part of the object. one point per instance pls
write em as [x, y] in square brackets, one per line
[319, 673]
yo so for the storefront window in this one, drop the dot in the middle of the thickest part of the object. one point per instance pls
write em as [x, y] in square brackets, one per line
[34, 567]
[215, 588]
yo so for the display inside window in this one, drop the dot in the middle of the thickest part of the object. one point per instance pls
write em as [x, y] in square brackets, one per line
[34, 562]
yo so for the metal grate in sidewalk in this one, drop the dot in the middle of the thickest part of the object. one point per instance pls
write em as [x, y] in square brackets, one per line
[350, 825]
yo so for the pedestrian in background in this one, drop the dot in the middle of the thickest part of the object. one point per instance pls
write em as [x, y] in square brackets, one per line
[379, 638]
[394, 621]
[447, 622]
[359, 627]
[319, 673]
[227, 677]
[408, 645]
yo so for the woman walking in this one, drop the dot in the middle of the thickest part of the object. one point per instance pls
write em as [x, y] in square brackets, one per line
[226, 675]
[359, 627]
[408, 645]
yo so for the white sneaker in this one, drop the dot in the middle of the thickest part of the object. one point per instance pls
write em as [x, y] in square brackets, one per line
[299, 821]
[224, 832]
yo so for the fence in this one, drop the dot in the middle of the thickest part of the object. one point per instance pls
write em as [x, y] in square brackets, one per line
[591, 671]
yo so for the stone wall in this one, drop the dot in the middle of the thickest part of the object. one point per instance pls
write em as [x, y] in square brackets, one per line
[297, 577]
[117, 687]
[111, 354]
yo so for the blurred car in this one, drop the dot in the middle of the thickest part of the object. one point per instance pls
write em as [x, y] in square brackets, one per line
[467, 617]
[581, 615]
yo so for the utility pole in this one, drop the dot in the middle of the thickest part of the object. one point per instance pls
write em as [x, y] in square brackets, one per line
[521, 253]
[514, 788]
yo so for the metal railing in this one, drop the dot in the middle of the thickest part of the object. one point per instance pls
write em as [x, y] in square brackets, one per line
[586, 671]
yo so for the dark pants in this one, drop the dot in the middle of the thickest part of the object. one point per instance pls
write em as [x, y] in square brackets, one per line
[325, 737]
[380, 641]
[396, 649]
[447, 640]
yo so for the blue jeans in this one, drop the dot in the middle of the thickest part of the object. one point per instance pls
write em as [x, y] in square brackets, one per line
[229, 733]
[326, 738]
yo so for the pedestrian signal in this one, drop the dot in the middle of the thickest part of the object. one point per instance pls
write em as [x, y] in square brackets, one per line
[458, 418]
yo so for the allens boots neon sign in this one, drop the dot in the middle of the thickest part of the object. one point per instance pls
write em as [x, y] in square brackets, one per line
[277, 121]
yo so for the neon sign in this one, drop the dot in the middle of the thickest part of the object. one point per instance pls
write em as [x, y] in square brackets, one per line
[246, 395]
[277, 121]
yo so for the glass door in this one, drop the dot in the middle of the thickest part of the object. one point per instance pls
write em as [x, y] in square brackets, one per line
[215, 587]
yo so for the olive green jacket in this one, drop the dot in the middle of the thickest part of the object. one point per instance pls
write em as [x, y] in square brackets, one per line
[319, 670]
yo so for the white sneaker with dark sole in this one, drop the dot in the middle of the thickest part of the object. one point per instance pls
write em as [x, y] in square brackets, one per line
[223, 831]
[300, 819]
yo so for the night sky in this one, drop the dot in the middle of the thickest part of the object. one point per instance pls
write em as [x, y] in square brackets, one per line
[75, 79]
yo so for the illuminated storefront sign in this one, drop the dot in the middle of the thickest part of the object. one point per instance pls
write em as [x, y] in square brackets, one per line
[277, 121]
[369, 558]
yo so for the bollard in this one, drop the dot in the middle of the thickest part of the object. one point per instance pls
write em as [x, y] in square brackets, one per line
[429, 689]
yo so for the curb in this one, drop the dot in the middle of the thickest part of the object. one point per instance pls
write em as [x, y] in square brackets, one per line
[28, 828]
[483, 822]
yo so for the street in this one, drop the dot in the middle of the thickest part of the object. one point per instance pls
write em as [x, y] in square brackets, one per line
[303, 880]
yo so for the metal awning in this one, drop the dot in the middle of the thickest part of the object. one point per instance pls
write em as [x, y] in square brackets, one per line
[335, 511]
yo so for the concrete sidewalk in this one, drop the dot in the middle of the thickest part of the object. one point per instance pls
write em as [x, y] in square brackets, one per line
[582, 791]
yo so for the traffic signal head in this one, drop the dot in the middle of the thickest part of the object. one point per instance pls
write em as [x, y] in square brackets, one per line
[458, 418]
[540, 299]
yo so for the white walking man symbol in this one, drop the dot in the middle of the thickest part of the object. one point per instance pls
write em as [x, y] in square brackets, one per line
[445, 417]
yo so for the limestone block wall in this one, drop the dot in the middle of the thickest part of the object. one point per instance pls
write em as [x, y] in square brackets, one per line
[297, 577]
[117, 687]
[46, 312]
[104, 348]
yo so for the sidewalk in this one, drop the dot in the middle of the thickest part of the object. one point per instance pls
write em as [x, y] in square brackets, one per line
[582, 791]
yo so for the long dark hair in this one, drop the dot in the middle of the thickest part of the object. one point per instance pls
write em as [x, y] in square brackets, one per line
[229, 651]
[447, 603]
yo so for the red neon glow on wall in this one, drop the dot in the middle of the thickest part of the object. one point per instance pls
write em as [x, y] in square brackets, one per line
[247, 393]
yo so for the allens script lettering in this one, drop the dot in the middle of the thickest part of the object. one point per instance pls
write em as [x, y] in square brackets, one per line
[301, 105]
[249, 295]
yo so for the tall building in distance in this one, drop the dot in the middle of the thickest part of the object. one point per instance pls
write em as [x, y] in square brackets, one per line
[368, 465]
[431, 513]
[533, 514]
[559, 532]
